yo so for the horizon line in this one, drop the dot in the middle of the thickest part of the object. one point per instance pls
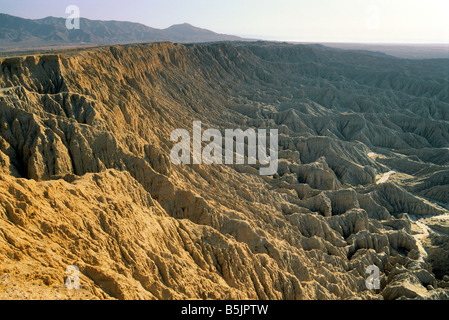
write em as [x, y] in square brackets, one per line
[252, 37]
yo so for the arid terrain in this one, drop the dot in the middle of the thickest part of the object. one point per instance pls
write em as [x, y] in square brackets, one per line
[86, 177]
[19, 34]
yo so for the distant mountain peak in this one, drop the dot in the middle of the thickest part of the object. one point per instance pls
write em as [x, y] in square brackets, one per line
[184, 24]
[186, 27]
[51, 31]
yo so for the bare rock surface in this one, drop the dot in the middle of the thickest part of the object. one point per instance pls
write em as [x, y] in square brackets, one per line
[86, 179]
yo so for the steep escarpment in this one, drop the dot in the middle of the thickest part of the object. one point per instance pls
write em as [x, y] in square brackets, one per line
[86, 176]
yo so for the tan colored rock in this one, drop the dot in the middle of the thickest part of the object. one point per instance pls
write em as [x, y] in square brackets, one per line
[86, 178]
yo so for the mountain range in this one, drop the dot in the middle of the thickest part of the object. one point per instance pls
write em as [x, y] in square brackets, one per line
[16, 32]
[20, 34]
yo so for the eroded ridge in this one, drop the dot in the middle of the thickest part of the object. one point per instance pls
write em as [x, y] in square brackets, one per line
[86, 176]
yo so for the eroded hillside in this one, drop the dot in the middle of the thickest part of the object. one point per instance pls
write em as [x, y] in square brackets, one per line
[86, 177]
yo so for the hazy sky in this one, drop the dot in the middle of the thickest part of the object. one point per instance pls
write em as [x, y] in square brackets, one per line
[376, 21]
